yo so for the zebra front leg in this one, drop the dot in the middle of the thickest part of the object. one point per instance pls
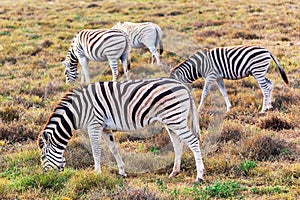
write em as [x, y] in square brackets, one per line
[178, 149]
[113, 63]
[222, 89]
[84, 71]
[95, 138]
[111, 142]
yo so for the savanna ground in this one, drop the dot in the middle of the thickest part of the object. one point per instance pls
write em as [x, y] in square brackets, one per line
[247, 155]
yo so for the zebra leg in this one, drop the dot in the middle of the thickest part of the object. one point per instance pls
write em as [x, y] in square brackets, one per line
[84, 71]
[193, 143]
[205, 91]
[155, 54]
[113, 63]
[222, 89]
[111, 142]
[95, 138]
[266, 86]
[178, 149]
[271, 86]
[126, 65]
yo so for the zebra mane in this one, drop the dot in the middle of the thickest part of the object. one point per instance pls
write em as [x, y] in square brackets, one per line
[66, 96]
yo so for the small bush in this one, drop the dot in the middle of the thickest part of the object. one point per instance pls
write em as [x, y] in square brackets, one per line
[18, 131]
[262, 147]
[275, 121]
[231, 131]
[247, 166]
[10, 113]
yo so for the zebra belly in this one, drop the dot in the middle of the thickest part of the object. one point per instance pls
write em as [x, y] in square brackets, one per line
[128, 126]
[137, 45]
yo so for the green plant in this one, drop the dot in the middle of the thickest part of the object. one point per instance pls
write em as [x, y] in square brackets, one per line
[226, 189]
[154, 150]
[160, 184]
[247, 166]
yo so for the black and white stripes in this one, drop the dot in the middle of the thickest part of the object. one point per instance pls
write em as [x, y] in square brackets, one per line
[141, 35]
[97, 45]
[124, 106]
[229, 63]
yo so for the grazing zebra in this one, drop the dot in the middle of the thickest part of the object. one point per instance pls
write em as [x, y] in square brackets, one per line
[145, 34]
[97, 45]
[229, 63]
[128, 105]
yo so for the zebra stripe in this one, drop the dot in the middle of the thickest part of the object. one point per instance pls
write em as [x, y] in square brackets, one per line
[141, 35]
[97, 45]
[229, 63]
[128, 105]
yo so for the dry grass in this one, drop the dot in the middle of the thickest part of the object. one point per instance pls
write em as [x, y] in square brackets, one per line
[257, 154]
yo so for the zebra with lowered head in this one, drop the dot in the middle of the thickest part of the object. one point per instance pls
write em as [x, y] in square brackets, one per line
[97, 45]
[128, 105]
[141, 35]
[229, 63]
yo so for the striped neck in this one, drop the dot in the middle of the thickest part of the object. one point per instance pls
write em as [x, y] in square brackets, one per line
[186, 71]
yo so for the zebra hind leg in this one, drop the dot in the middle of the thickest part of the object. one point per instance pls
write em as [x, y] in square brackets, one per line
[193, 143]
[155, 55]
[205, 92]
[271, 86]
[222, 89]
[178, 149]
[266, 86]
[126, 65]
[111, 142]
[113, 63]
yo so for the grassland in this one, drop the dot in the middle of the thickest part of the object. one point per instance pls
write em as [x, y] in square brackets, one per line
[246, 155]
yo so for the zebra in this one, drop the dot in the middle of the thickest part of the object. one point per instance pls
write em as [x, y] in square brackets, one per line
[97, 45]
[229, 63]
[127, 105]
[145, 34]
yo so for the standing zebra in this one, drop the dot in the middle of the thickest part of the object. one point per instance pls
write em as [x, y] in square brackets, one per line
[128, 105]
[229, 63]
[141, 35]
[97, 45]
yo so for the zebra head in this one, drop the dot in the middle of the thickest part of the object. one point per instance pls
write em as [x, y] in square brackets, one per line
[52, 155]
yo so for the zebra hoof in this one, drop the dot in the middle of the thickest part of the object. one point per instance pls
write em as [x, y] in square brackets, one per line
[199, 180]
[122, 175]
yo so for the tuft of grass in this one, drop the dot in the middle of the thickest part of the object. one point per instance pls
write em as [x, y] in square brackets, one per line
[83, 181]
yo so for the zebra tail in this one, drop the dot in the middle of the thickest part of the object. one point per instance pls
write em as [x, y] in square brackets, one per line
[158, 39]
[195, 118]
[161, 47]
[282, 72]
